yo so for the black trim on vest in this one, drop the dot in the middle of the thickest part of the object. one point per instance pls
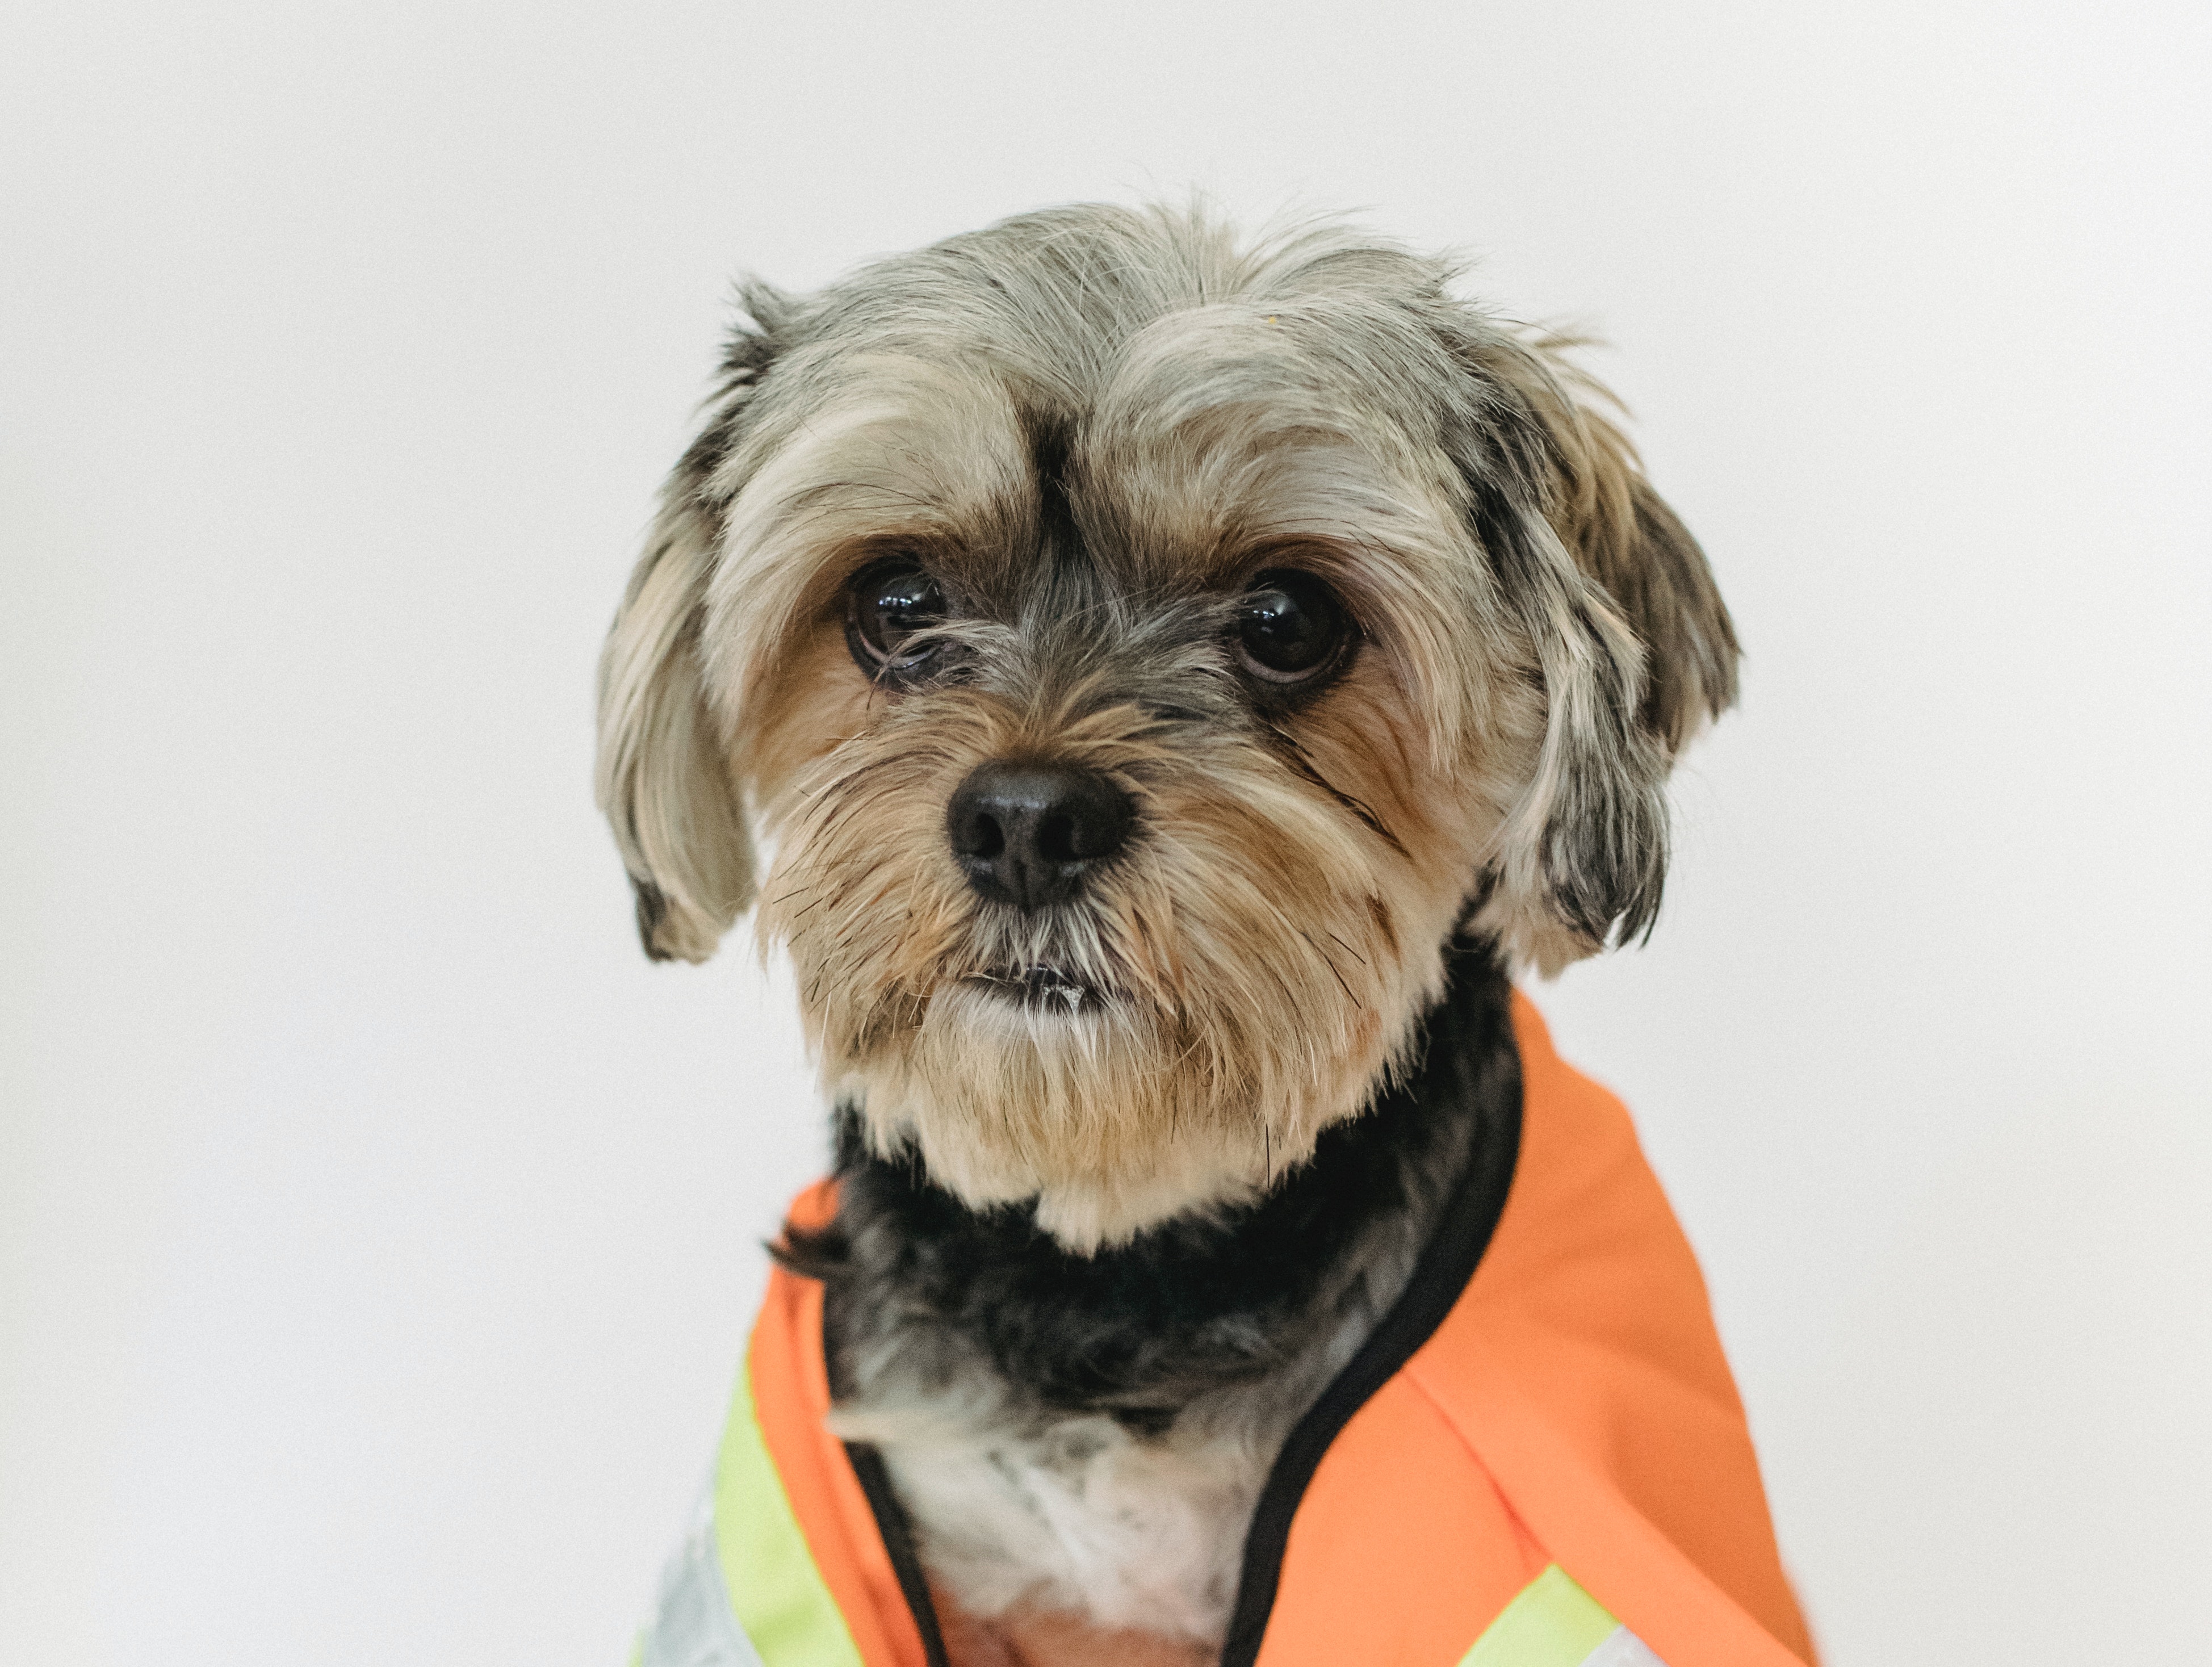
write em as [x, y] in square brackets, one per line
[1438, 1278]
[898, 1540]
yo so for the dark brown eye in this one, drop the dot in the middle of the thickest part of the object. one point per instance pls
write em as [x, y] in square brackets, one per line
[888, 604]
[1290, 629]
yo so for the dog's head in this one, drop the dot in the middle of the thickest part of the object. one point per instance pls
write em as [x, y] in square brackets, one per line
[1140, 655]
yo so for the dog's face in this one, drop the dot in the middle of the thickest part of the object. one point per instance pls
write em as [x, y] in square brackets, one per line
[1141, 656]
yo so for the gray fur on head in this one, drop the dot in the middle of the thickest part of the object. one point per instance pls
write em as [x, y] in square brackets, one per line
[1139, 338]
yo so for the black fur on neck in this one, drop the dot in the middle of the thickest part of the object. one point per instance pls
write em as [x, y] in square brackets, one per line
[1197, 1304]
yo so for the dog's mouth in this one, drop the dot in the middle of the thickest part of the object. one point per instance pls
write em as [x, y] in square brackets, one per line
[1043, 989]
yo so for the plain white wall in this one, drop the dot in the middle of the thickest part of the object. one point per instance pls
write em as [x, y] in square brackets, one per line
[378, 1230]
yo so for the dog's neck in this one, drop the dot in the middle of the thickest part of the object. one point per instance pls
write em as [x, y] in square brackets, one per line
[1203, 1303]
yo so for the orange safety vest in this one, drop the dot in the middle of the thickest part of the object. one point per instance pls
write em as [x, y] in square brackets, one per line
[1560, 1476]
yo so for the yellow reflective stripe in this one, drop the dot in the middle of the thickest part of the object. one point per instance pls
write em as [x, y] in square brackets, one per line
[1550, 1622]
[775, 1588]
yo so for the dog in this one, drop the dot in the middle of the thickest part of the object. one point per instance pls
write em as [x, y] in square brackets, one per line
[1180, 680]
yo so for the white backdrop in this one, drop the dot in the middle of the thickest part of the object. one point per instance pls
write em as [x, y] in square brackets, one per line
[378, 1229]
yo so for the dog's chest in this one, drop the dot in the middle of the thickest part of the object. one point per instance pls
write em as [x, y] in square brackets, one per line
[1079, 1517]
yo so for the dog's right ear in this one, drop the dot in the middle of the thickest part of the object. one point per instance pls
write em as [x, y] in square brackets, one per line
[664, 777]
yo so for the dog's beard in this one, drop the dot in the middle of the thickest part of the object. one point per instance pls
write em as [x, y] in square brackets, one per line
[1243, 977]
[1110, 1112]
[1101, 1113]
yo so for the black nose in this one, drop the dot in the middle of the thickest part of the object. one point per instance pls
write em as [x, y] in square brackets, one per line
[1026, 833]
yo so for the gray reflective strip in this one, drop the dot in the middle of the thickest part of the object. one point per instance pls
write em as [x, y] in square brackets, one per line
[1623, 1649]
[694, 1624]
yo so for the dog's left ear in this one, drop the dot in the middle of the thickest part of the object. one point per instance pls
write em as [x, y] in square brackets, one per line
[678, 813]
[1633, 644]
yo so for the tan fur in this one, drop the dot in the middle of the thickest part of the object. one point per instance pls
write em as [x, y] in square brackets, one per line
[1275, 933]
[1260, 939]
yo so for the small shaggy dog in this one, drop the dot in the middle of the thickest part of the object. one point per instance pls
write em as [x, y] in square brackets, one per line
[1177, 681]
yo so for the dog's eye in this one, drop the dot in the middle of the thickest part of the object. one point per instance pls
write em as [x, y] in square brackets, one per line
[888, 603]
[1290, 628]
